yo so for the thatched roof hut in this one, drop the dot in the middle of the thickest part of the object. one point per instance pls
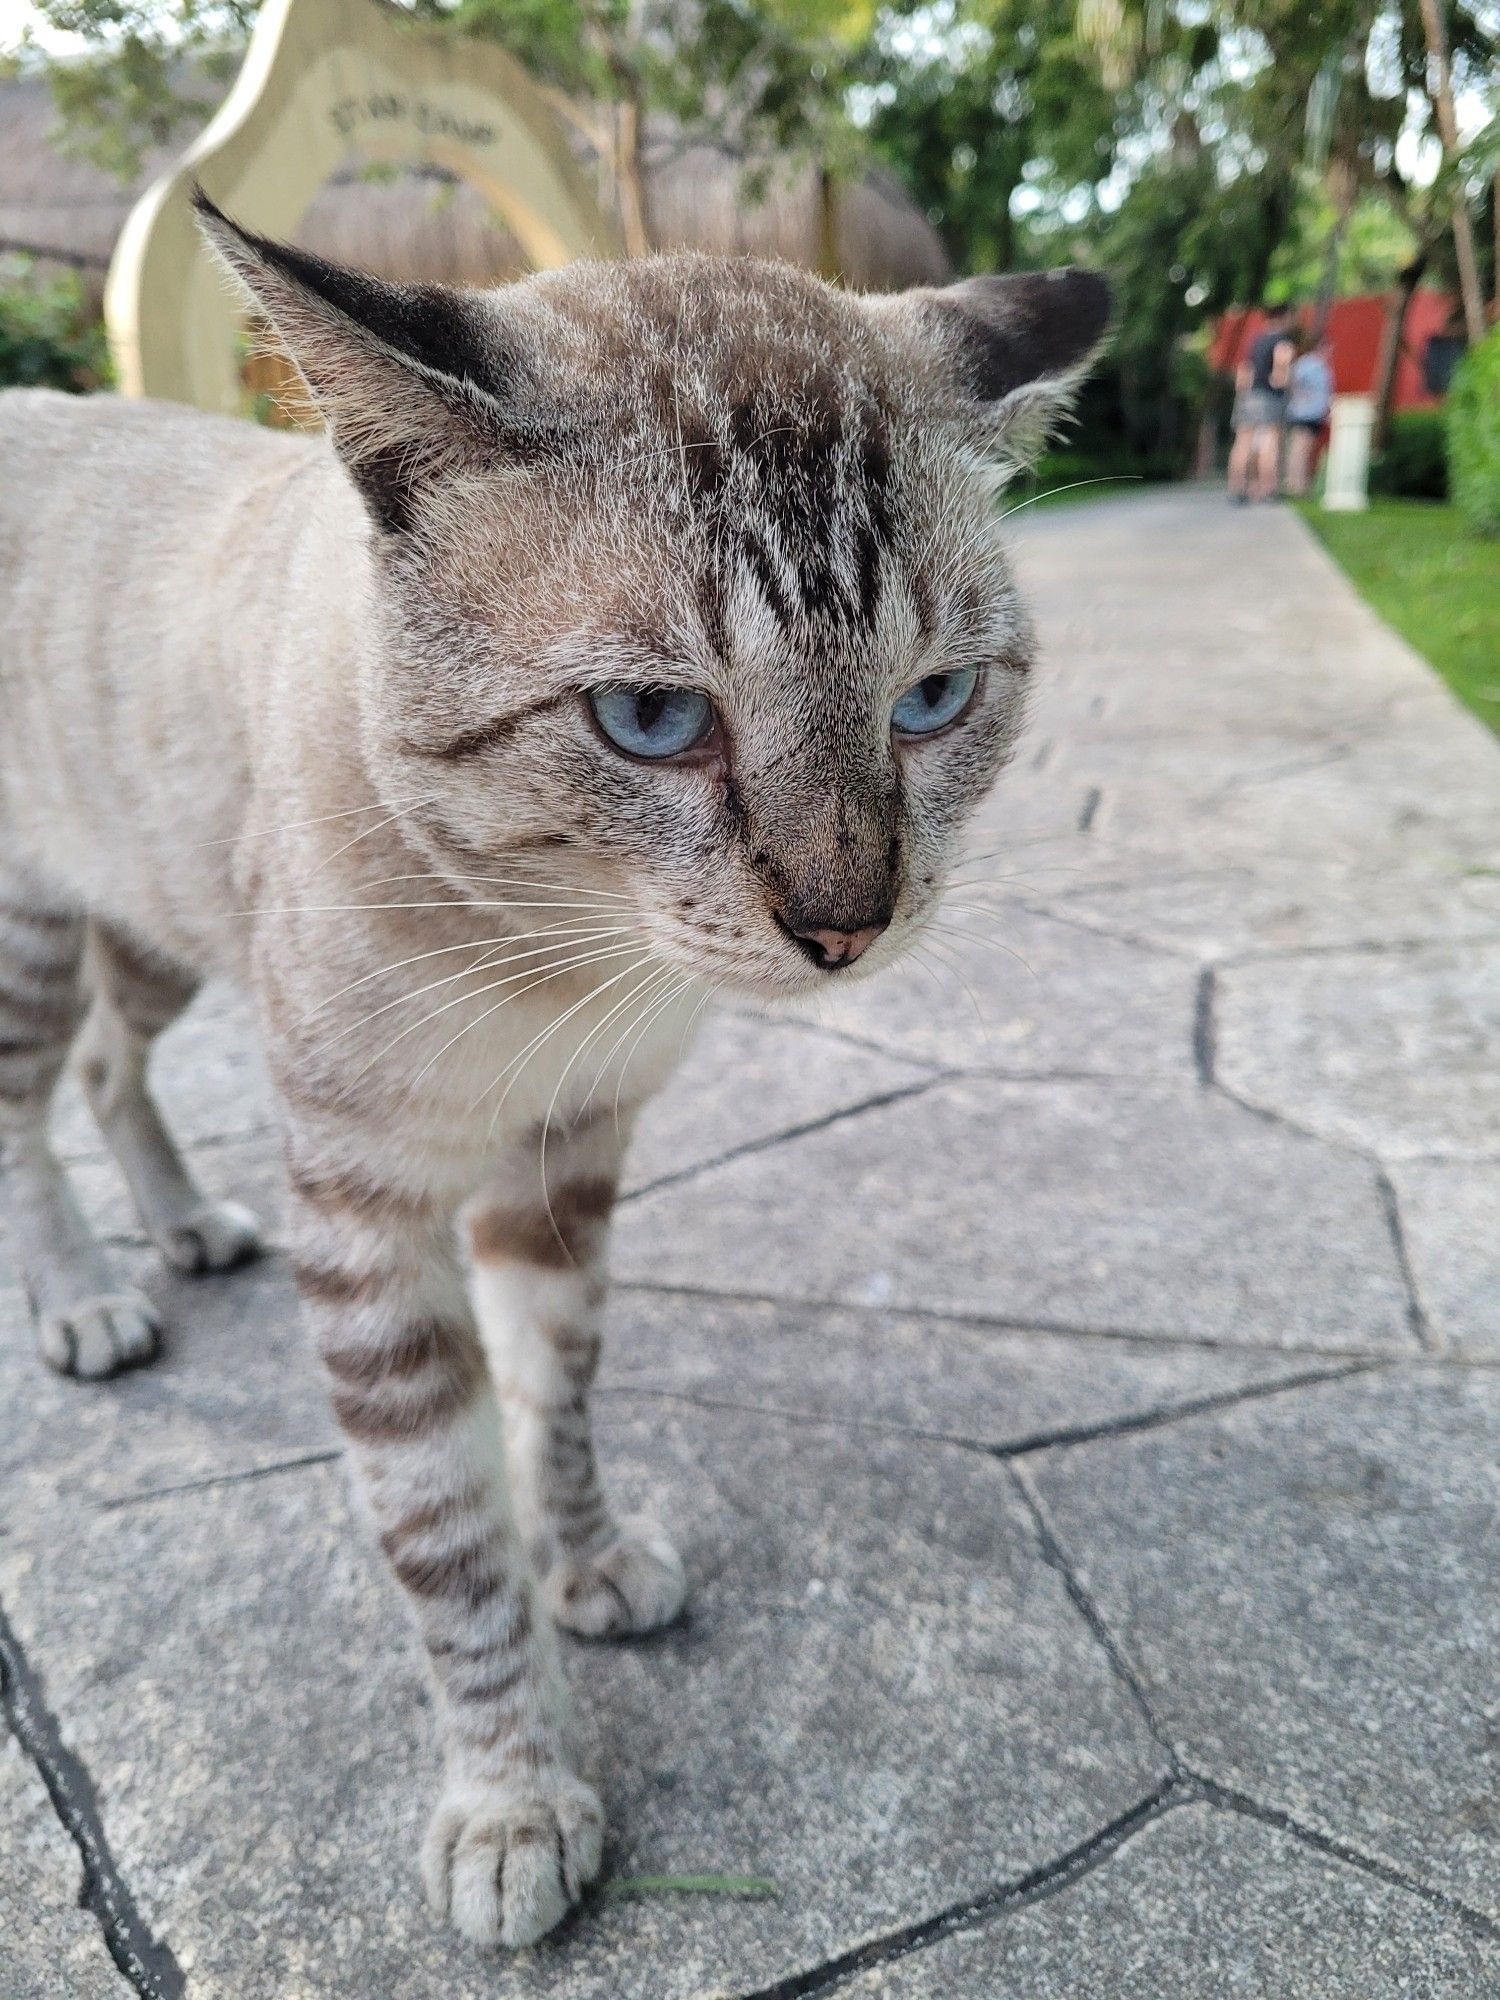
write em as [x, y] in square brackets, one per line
[427, 226]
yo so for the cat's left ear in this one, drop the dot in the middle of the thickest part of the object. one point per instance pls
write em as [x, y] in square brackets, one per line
[1006, 354]
[412, 380]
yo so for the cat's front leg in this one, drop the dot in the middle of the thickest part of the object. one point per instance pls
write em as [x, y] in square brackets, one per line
[516, 1834]
[537, 1237]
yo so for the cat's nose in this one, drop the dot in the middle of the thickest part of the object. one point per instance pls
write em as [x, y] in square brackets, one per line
[833, 948]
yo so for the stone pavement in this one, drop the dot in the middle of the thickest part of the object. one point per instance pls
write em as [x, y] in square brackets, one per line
[1071, 1371]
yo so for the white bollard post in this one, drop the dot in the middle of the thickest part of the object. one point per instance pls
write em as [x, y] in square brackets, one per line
[1347, 478]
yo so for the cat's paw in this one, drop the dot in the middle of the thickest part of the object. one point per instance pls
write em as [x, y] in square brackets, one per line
[506, 1862]
[97, 1337]
[214, 1237]
[635, 1584]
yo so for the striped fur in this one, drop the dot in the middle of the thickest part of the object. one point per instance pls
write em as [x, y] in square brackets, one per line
[313, 715]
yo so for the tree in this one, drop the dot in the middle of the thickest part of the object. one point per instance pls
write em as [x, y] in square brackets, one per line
[140, 80]
[765, 76]
[964, 106]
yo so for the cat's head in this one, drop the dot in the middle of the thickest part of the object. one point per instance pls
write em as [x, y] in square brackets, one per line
[689, 588]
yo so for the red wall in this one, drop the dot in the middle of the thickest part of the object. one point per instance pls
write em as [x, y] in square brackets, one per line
[1354, 331]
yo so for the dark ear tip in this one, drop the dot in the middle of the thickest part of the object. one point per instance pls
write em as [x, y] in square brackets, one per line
[205, 209]
[1076, 293]
[1027, 327]
[1090, 296]
[212, 220]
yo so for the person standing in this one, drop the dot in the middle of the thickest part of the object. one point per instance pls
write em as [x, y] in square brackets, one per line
[1261, 383]
[1309, 399]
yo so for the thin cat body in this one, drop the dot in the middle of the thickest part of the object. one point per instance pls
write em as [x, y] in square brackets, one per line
[636, 632]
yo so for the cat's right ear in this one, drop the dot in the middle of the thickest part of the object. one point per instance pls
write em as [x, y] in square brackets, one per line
[1005, 355]
[412, 380]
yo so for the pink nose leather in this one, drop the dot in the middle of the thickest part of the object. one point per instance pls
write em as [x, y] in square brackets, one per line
[842, 947]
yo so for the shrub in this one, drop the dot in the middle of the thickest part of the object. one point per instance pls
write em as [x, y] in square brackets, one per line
[1413, 465]
[1473, 426]
[1115, 464]
[50, 336]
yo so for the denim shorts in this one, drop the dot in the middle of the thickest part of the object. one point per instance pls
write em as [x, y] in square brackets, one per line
[1259, 409]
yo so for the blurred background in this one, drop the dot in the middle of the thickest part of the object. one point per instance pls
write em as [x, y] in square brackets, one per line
[1216, 156]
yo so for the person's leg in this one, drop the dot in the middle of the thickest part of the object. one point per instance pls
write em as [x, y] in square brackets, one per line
[1265, 453]
[1239, 463]
[1298, 453]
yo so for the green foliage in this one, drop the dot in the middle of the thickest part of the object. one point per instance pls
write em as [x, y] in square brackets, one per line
[125, 94]
[1413, 465]
[1203, 151]
[1473, 430]
[1180, 249]
[1373, 244]
[50, 338]
[972, 116]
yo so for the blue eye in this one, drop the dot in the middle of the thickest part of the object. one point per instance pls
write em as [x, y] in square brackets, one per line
[653, 722]
[934, 702]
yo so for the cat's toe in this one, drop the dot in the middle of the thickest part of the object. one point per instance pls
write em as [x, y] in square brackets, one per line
[634, 1584]
[216, 1237]
[506, 1862]
[98, 1337]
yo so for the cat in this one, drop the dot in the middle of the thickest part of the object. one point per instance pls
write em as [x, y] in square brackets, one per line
[631, 632]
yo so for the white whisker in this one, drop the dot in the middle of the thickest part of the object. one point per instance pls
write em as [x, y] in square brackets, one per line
[534, 980]
[984, 1027]
[509, 881]
[593, 1034]
[540, 951]
[294, 825]
[1108, 479]
[564, 930]
[364, 834]
[537, 1040]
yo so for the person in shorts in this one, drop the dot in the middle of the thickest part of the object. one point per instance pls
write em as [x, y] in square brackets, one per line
[1309, 399]
[1261, 384]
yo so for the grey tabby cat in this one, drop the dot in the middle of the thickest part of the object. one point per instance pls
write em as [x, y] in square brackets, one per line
[635, 631]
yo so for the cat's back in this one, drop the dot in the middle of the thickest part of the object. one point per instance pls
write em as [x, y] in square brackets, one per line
[90, 471]
[138, 544]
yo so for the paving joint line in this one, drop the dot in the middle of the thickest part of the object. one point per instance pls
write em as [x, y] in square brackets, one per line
[1205, 1027]
[826, 1031]
[1001, 1323]
[1051, 1878]
[1161, 1415]
[1037, 906]
[1006, 1450]
[1229, 1798]
[143, 1960]
[773, 1139]
[1416, 1312]
[1056, 1557]
[210, 1481]
[1272, 954]
[1417, 1321]
[944, 1072]
[1199, 1783]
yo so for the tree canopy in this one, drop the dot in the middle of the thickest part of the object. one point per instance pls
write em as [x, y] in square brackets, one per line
[1205, 151]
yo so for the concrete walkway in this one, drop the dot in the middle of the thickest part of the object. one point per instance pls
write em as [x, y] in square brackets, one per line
[1077, 1410]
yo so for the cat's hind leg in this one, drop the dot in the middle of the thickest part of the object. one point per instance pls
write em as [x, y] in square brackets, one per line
[87, 1324]
[133, 996]
[537, 1239]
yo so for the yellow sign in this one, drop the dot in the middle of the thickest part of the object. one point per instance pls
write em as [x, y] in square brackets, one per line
[323, 79]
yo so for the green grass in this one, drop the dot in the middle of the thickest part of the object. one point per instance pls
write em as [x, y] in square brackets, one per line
[1435, 582]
